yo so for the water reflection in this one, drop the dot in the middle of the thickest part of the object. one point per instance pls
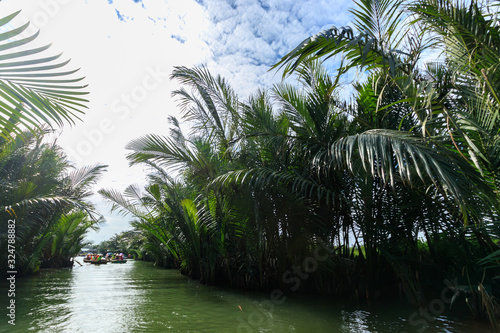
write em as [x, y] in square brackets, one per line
[102, 297]
[138, 297]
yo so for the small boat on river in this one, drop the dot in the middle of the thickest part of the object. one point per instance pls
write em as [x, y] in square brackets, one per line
[118, 261]
[95, 259]
[89, 257]
[99, 262]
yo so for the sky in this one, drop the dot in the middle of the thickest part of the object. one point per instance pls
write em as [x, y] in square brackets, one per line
[126, 50]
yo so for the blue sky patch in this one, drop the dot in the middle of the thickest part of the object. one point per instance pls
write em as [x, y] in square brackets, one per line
[121, 17]
[179, 38]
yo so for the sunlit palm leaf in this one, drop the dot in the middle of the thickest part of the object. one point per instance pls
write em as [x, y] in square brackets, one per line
[211, 106]
[167, 153]
[122, 204]
[80, 180]
[33, 90]
[374, 46]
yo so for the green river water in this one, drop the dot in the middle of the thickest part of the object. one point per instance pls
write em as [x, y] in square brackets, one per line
[139, 297]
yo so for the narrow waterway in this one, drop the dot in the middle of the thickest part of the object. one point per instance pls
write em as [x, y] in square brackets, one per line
[139, 297]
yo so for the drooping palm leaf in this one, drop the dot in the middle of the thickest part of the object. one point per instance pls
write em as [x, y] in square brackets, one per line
[166, 152]
[374, 46]
[81, 180]
[35, 89]
[396, 156]
[211, 106]
[122, 204]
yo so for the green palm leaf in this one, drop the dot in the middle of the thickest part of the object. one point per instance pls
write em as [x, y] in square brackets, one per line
[211, 107]
[169, 153]
[122, 203]
[395, 156]
[374, 46]
[31, 89]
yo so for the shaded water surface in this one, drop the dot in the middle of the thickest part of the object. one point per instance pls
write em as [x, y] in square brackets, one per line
[138, 297]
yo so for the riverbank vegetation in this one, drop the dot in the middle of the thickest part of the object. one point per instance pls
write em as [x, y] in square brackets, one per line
[392, 191]
[47, 199]
[44, 207]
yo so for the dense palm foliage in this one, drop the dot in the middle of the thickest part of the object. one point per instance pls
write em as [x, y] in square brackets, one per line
[398, 185]
[48, 200]
[448, 107]
[40, 192]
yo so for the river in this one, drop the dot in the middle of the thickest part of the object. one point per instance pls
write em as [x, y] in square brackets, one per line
[139, 297]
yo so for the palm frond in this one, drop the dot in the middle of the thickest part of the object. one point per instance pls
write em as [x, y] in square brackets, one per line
[82, 179]
[158, 149]
[31, 91]
[395, 156]
[121, 204]
[212, 105]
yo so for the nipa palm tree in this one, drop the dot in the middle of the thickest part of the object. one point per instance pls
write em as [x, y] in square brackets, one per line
[452, 105]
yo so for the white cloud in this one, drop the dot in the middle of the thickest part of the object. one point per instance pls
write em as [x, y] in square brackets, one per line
[256, 34]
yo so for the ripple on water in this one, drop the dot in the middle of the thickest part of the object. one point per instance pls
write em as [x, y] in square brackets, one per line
[138, 297]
